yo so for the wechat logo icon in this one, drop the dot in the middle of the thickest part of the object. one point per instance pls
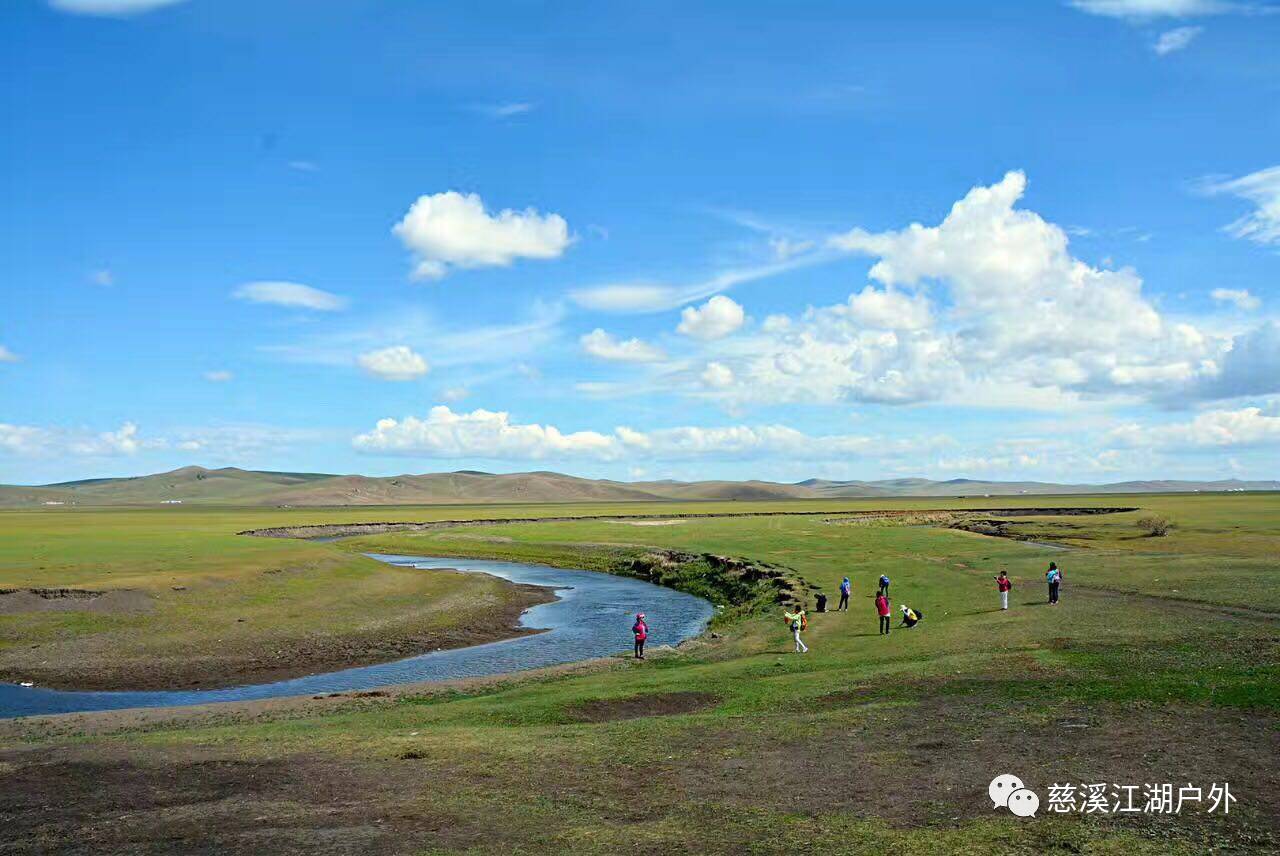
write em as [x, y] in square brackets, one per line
[1008, 791]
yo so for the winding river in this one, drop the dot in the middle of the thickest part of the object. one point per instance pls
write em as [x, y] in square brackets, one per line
[592, 618]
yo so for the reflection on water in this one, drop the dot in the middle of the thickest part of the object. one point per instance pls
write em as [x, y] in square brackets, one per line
[591, 619]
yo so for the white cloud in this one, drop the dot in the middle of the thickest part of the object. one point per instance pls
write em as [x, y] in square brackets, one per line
[989, 307]
[1150, 9]
[715, 319]
[110, 8]
[1249, 426]
[455, 393]
[492, 435]
[889, 310]
[656, 297]
[1262, 188]
[8, 356]
[303, 166]
[35, 442]
[218, 376]
[1175, 40]
[1241, 298]
[398, 363]
[603, 346]
[504, 110]
[786, 248]
[291, 294]
[102, 277]
[717, 376]
[480, 434]
[450, 229]
[626, 298]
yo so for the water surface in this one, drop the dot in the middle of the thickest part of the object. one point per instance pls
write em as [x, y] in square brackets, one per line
[592, 618]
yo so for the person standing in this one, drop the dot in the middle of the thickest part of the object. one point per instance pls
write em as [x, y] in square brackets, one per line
[1003, 583]
[641, 631]
[845, 588]
[1054, 578]
[884, 585]
[882, 609]
[797, 621]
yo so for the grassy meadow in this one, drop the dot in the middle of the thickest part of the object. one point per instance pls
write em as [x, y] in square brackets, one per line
[1158, 666]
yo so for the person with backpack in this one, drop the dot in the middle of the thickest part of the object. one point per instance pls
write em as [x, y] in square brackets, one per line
[798, 623]
[1054, 578]
[1003, 583]
[845, 588]
[910, 617]
[884, 585]
[882, 609]
[641, 631]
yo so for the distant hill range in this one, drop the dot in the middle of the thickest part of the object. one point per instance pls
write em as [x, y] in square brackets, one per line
[233, 486]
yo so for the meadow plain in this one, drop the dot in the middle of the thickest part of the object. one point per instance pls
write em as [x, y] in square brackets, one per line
[1158, 667]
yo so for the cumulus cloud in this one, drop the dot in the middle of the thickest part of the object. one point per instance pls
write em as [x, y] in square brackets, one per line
[8, 356]
[1262, 188]
[715, 319]
[603, 346]
[450, 229]
[989, 306]
[492, 435]
[37, 442]
[218, 376]
[110, 8]
[293, 295]
[1175, 40]
[396, 363]
[1249, 426]
[1238, 297]
[479, 434]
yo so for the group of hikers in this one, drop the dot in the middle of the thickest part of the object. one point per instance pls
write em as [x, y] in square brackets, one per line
[798, 621]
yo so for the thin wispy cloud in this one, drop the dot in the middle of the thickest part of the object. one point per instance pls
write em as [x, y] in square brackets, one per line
[504, 110]
[1175, 40]
[304, 166]
[293, 295]
[1262, 188]
[111, 8]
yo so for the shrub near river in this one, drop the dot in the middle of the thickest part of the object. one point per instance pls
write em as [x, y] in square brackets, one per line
[1159, 666]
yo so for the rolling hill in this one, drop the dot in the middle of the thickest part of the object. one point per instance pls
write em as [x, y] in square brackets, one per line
[232, 486]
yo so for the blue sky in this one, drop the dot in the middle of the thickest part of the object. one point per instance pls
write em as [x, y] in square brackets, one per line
[641, 240]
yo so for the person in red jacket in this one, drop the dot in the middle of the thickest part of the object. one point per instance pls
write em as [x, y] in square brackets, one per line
[1003, 583]
[641, 631]
[882, 609]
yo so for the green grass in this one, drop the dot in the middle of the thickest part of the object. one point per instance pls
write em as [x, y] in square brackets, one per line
[865, 745]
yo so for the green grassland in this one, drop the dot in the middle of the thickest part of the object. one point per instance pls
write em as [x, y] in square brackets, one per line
[1158, 666]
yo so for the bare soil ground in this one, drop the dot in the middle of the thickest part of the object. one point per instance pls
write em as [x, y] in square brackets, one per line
[217, 667]
[877, 762]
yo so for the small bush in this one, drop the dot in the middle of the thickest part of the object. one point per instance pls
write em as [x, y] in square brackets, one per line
[1155, 526]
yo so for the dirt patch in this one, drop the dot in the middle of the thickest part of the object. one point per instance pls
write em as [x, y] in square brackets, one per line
[272, 661]
[342, 530]
[166, 804]
[635, 707]
[652, 522]
[14, 601]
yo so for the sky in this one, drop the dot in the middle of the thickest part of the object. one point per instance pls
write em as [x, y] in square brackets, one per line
[685, 240]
